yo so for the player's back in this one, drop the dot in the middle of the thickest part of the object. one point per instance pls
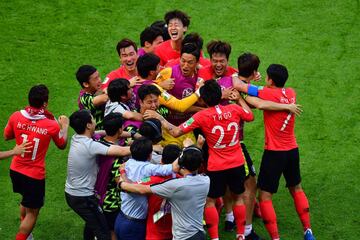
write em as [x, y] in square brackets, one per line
[279, 125]
[39, 131]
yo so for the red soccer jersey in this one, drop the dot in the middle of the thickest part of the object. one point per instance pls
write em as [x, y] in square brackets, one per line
[220, 126]
[118, 73]
[279, 125]
[207, 72]
[39, 132]
[162, 228]
[166, 52]
[204, 62]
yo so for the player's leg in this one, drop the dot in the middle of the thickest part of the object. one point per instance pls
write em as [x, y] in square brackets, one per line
[271, 168]
[28, 223]
[229, 215]
[217, 189]
[235, 178]
[293, 179]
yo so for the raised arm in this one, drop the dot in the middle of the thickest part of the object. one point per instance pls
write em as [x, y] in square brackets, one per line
[64, 126]
[173, 130]
[273, 106]
[134, 188]
[180, 105]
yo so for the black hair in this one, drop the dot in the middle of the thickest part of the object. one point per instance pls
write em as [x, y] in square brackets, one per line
[118, 88]
[83, 74]
[38, 95]
[163, 27]
[124, 43]
[170, 153]
[211, 93]
[149, 34]
[218, 47]
[79, 120]
[247, 64]
[191, 158]
[146, 63]
[112, 123]
[278, 73]
[191, 48]
[184, 18]
[151, 129]
[193, 38]
[141, 149]
[145, 90]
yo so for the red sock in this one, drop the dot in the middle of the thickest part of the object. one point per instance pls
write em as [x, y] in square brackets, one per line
[21, 236]
[240, 218]
[219, 204]
[212, 221]
[302, 208]
[269, 218]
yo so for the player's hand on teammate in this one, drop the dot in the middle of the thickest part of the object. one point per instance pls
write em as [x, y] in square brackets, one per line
[176, 166]
[234, 95]
[158, 148]
[225, 94]
[257, 77]
[295, 109]
[22, 148]
[152, 114]
[63, 121]
[167, 84]
[135, 81]
[200, 141]
[188, 142]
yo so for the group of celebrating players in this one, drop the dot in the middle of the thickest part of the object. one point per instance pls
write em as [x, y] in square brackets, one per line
[168, 124]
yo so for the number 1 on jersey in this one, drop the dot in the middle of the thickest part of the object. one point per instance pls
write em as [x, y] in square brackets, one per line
[36, 146]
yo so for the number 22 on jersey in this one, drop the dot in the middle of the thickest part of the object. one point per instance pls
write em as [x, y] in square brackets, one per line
[232, 129]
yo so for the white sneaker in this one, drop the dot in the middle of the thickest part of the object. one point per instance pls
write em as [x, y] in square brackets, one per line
[30, 237]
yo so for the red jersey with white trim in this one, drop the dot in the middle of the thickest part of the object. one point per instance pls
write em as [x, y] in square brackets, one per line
[118, 73]
[166, 53]
[207, 72]
[162, 228]
[220, 126]
[279, 125]
[38, 131]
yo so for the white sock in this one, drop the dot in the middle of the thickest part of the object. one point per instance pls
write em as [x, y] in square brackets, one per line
[215, 239]
[238, 235]
[229, 217]
[248, 229]
[308, 229]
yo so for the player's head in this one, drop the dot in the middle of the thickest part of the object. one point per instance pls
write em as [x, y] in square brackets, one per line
[150, 37]
[189, 59]
[141, 149]
[127, 51]
[88, 78]
[178, 23]
[170, 153]
[113, 123]
[119, 90]
[248, 64]
[211, 93]
[193, 38]
[278, 74]
[219, 53]
[148, 66]
[151, 129]
[148, 97]
[38, 96]
[161, 24]
[191, 158]
[81, 121]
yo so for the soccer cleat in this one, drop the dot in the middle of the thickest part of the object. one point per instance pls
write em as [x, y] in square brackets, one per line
[229, 226]
[308, 235]
[252, 236]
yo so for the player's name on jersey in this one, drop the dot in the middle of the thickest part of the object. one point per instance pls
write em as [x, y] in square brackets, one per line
[221, 116]
[31, 128]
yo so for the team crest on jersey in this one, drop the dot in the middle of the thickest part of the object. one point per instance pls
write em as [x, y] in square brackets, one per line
[188, 122]
[187, 92]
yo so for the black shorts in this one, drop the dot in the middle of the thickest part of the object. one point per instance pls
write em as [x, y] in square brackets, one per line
[111, 218]
[249, 165]
[32, 190]
[275, 163]
[219, 180]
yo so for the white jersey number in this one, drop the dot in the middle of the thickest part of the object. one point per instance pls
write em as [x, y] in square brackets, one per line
[233, 126]
[36, 146]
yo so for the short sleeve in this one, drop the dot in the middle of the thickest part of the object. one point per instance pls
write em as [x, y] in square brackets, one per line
[191, 123]
[165, 189]
[97, 148]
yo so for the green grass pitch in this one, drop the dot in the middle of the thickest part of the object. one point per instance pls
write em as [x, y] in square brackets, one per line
[46, 41]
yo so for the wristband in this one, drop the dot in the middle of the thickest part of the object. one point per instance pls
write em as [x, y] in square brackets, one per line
[253, 90]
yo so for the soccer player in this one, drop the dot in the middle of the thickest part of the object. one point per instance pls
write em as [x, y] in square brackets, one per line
[186, 195]
[131, 221]
[91, 97]
[17, 150]
[82, 172]
[281, 154]
[106, 185]
[34, 124]
[150, 37]
[220, 126]
[127, 51]
[178, 23]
